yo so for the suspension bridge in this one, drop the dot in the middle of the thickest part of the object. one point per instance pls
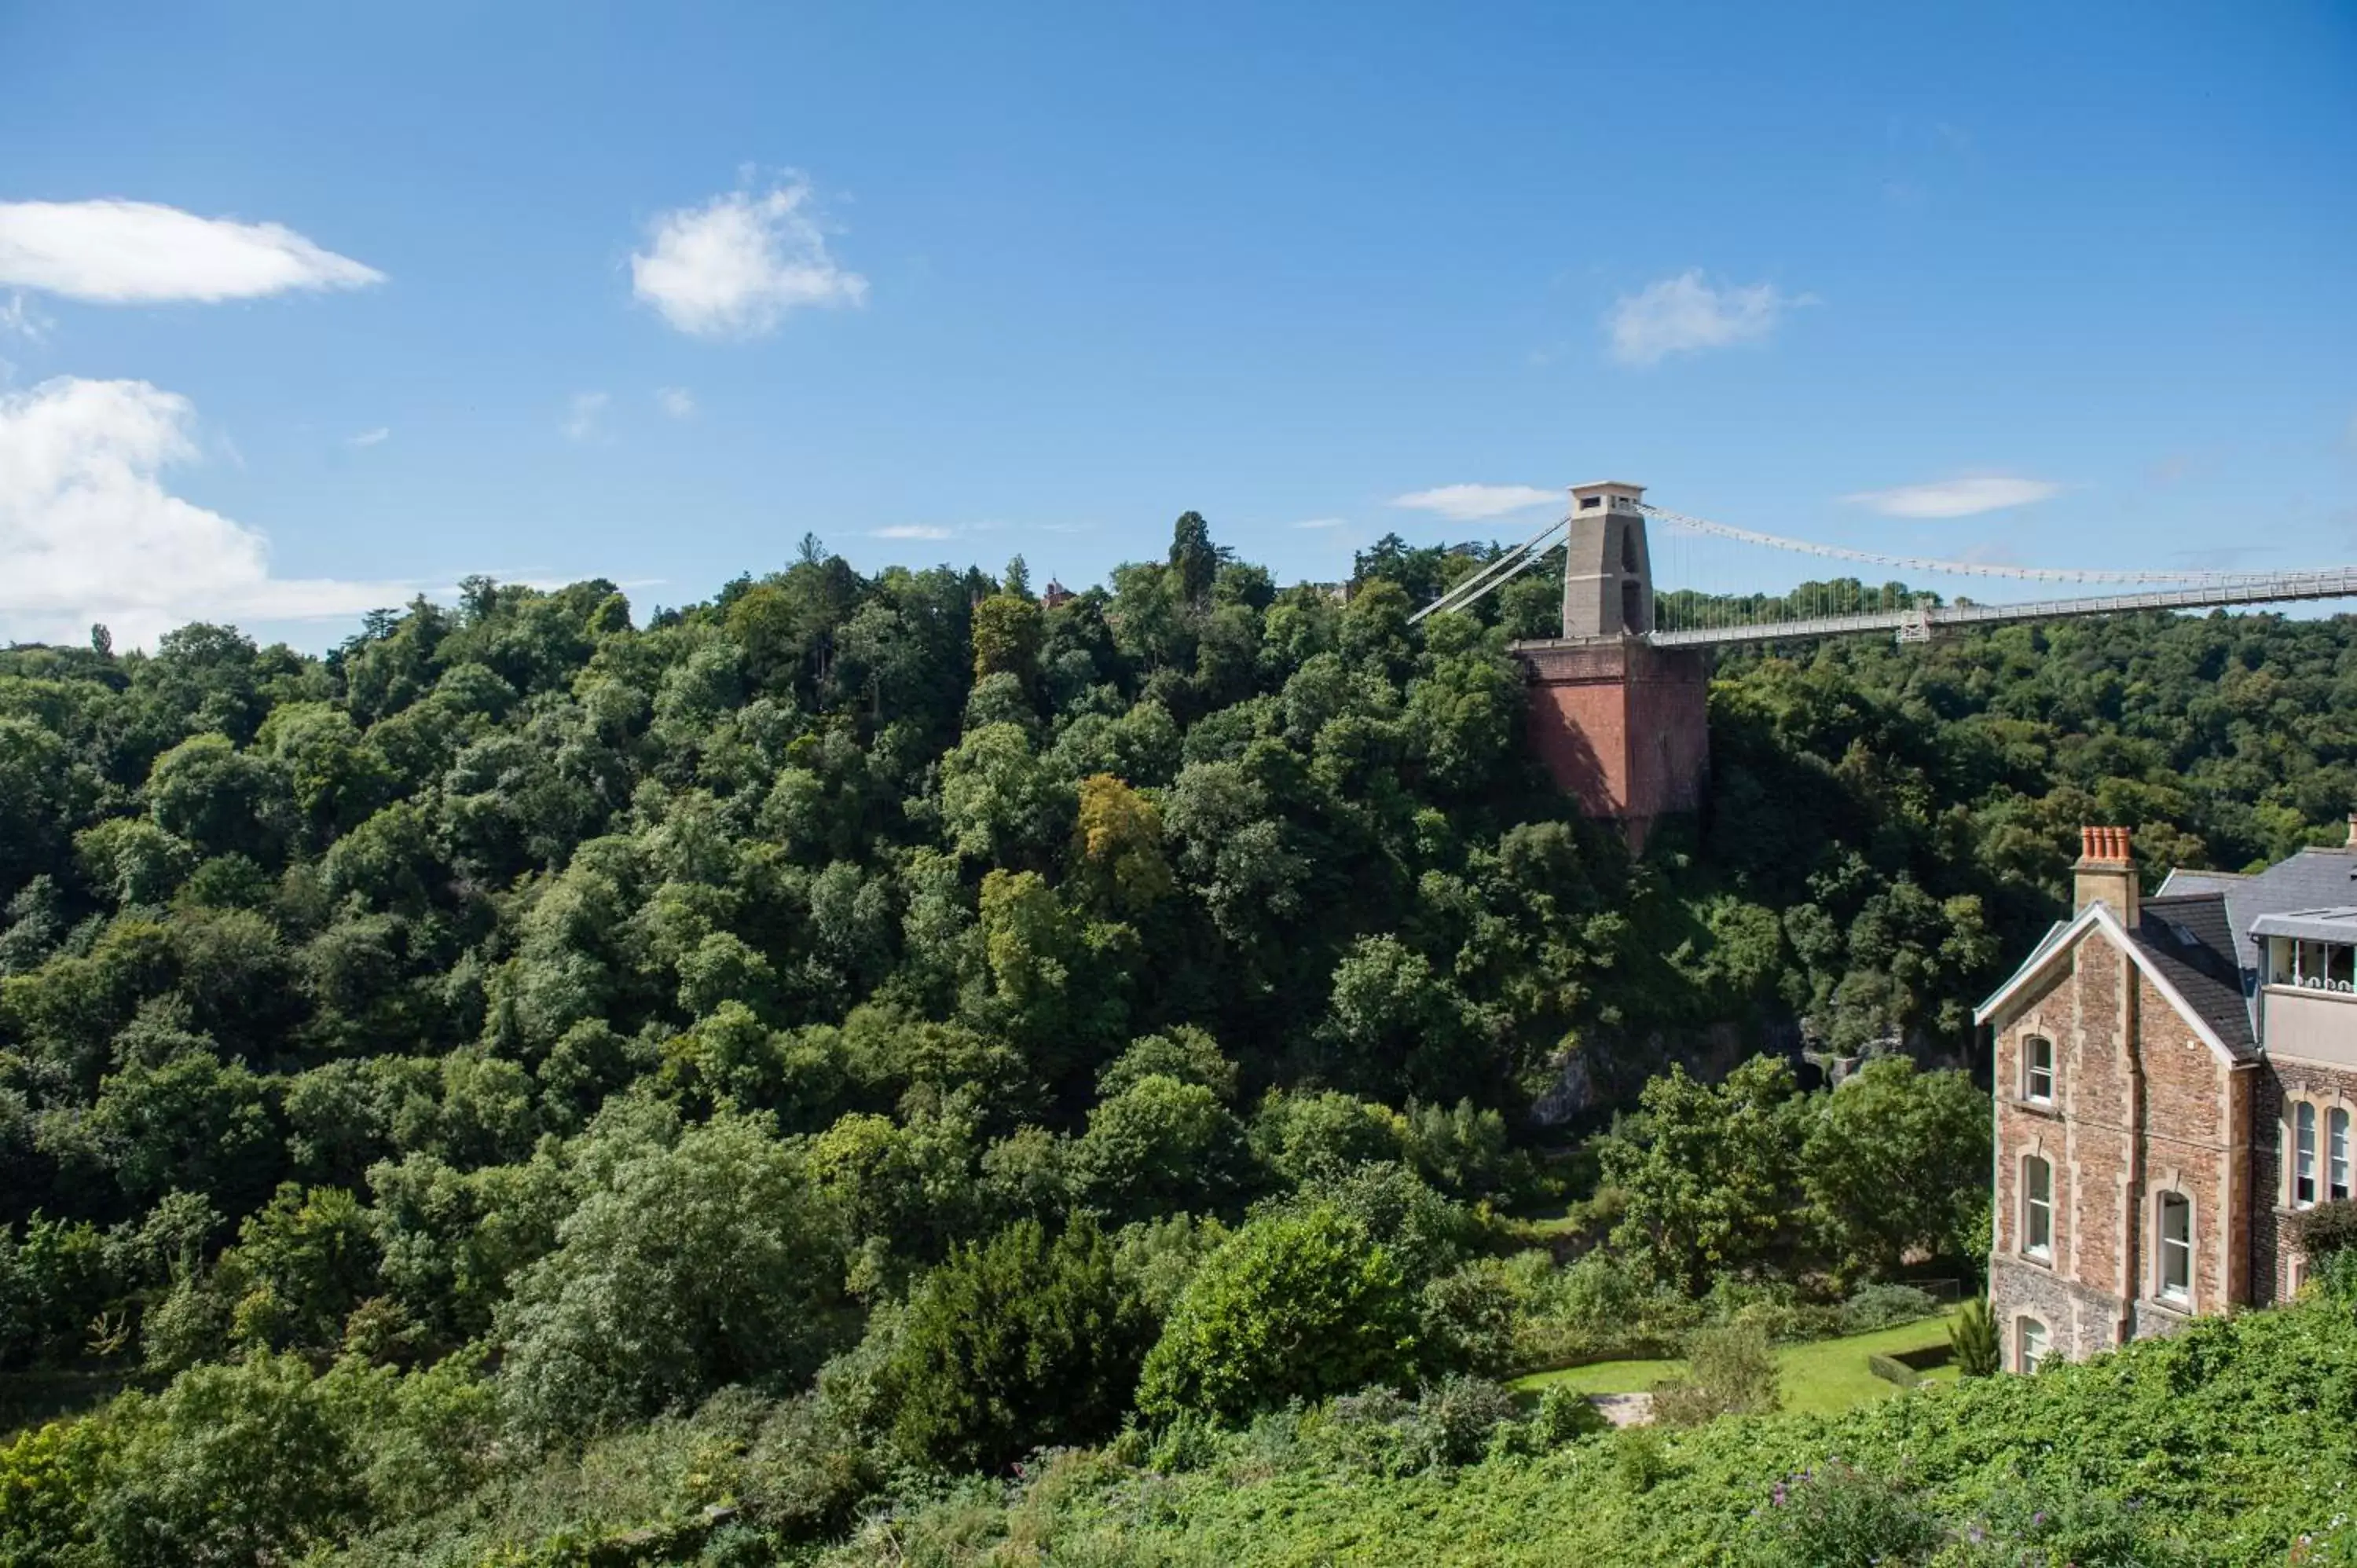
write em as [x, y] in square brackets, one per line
[1605, 536]
[1618, 703]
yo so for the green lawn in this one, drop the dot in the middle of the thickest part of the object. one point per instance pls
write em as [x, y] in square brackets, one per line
[1820, 1378]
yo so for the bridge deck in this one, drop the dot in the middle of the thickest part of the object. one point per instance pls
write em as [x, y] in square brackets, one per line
[2339, 583]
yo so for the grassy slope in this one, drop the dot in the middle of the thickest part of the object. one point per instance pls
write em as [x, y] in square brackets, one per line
[1825, 1378]
[2232, 1440]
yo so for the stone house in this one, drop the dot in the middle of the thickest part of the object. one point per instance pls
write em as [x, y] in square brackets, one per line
[2174, 1080]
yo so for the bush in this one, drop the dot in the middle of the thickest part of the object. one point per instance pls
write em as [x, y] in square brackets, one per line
[1729, 1371]
[1885, 1306]
[1291, 1306]
[1837, 1516]
[1013, 1344]
[1973, 1338]
[1379, 1431]
[1891, 1371]
[2327, 1228]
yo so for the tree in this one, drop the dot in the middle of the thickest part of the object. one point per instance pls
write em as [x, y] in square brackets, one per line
[1896, 1162]
[686, 1266]
[999, 803]
[1194, 560]
[1013, 1344]
[1117, 848]
[1007, 633]
[1711, 1176]
[1159, 1146]
[244, 1462]
[1292, 1306]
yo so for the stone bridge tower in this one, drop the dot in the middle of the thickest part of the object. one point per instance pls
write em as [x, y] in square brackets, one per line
[1622, 725]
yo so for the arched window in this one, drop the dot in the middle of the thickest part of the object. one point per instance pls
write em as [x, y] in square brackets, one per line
[2336, 1154]
[2037, 1208]
[2037, 1069]
[2303, 1169]
[2030, 1344]
[2176, 1247]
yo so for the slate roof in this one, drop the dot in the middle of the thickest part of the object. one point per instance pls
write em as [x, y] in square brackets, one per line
[2190, 939]
[2313, 879]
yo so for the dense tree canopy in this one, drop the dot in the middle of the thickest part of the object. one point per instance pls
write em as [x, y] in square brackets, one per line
[593, 1014]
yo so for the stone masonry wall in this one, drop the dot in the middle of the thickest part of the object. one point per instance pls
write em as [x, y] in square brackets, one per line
[2115, 1142]
[2274, 1243]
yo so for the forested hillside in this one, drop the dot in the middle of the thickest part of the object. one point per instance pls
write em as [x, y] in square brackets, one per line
[521, 1025]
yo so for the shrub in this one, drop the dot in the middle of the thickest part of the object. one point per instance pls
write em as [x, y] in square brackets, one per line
[1291, 1306]
[1013, 1344]
[1639, 1460]
[1974, 1339]
[1837, 1516]
[244, 1462]
[2327, 1228]
[1893, 1371]
[1729, 1371]
[1885, 1306]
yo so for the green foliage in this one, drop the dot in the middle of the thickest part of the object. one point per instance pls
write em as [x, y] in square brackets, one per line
[1730, 1370]
[1013, 1344]
[1972, 1338]
[1291, 1306]
[1839, 1517]
[1712, 1175]
[243, 1461]
[687, 1265]
[1895, 1163]
[2328, 1230]
[620, 1013]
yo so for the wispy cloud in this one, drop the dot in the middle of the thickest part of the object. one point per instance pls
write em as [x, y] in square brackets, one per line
[1470, 504]
[1329, 521]
[1685, 314]
[912, 530]
[677, 401]
[582, 413]
[19, 319]
[735, 266]
[1955, 497]
[88, 533]
[376, 437]
[137, 252]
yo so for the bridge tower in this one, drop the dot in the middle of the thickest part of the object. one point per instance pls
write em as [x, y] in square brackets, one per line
[1620, 725]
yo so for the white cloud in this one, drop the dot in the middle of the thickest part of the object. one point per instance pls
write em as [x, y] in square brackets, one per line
[1683, 314]
[88, 531]
[1469, 503]
[677, 401]
[136, 253]
[376, 437]
[735, 266]
[911, 531]
[18, 319]
[1955, 497]
[582, 415]
[1327, 521]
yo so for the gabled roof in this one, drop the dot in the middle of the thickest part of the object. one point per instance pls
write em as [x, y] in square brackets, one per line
[2199, 981]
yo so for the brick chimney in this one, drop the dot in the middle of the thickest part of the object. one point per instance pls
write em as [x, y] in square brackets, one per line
[2106, 872]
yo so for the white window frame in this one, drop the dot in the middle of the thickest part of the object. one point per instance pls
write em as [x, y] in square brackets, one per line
[2037, 1211]
[2303, 1144]
[2173, 1250]
[2336, 1153]
[2031, 1344]
[2031, 1071]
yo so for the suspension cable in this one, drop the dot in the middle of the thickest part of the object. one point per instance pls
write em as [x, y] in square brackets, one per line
[1951, 568]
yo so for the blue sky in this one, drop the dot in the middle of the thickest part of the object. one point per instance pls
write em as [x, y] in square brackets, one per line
[649, 292]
